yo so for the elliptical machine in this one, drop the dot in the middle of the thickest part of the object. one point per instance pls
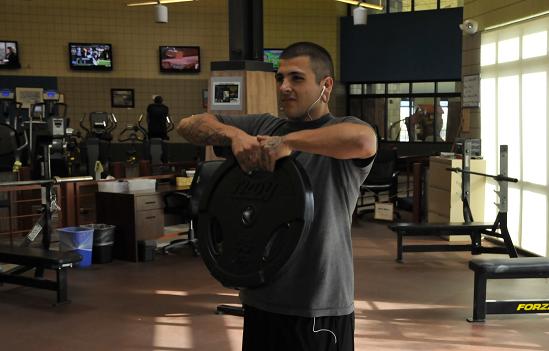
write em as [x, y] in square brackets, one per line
[134, 134]
[157, 147]
[96, 144]
[13, 138]
[73, 139]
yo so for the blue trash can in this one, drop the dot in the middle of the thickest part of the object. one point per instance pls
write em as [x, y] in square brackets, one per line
[79, 240]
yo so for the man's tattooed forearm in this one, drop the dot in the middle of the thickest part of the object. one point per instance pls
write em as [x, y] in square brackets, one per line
[273, 143]
[199, 132]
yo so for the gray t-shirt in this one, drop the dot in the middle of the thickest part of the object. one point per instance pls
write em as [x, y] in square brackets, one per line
[320, 281]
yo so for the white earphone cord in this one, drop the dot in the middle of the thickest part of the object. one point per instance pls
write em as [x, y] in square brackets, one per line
[314, 103]
[324, 330]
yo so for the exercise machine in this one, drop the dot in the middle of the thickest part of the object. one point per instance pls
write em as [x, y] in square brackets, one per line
[157, 147]
[134, 134]
[73, 138]
[96, 144]
[13, 138]
[46, 127]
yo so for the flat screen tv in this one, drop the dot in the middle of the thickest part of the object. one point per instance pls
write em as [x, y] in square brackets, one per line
[9, 54]
[179, 59]
[272, 56]
[90, 57]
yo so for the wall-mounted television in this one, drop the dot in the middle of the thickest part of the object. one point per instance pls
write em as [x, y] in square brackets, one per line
[90, 57]
[9, 54]
[272, 56]
[179, 59]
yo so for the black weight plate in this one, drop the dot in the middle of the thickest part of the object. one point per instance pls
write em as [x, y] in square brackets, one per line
[250, 225]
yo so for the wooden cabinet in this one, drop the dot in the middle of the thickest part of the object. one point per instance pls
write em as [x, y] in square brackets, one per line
[137, 216]
[444, 191]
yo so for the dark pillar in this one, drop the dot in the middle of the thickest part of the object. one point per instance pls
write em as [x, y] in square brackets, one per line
[245, 30]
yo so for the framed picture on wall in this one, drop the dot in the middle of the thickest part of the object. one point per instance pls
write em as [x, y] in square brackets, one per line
[29, 96]
[122, 98]
[226, 93]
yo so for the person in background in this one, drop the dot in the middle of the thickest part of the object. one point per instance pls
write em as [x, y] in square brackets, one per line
[12, 60]
[156, 119]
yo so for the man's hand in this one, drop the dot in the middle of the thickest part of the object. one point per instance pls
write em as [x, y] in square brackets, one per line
[273, 148]
[247, 151]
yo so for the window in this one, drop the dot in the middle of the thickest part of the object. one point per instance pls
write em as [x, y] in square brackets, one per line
[417, 5]
[400, 6]
[355, 89]
[425, 5]
[419, 88]
[409, 112]
[514, 88]
[374, 88]
[444, 4]
[398, 88]
[371, 110]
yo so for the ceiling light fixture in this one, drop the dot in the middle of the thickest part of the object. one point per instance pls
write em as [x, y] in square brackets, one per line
[160, 10]
[363, 4]
[360, 16]
[158, 2]
[160, 13]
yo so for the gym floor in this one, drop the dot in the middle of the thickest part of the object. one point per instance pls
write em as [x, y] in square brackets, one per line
[169, 305]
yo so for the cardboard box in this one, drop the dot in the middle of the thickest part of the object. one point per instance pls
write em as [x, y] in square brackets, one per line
[384, 211]
[114, 186]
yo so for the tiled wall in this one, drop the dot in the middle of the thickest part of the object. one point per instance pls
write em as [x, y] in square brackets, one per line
[182, 96]
[43, 29]
[489, 13]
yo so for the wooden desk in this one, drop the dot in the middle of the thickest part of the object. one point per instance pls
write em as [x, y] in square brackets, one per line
[407, 162]
[169, 188]
[137, 216]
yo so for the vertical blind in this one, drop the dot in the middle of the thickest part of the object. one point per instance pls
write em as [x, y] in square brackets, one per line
[514, 94]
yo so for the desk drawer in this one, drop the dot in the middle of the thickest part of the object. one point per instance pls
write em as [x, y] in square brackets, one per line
[149, 202]
[149, 224]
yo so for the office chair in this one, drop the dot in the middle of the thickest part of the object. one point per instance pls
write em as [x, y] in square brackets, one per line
[186, 203]
[383, 177]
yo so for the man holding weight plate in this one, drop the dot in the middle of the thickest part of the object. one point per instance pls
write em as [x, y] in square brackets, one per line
[309, 306]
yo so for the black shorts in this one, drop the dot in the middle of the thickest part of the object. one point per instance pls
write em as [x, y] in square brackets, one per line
[265, 331]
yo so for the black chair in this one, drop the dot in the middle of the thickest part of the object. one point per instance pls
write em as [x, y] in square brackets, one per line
[383, 177]
[186, 203]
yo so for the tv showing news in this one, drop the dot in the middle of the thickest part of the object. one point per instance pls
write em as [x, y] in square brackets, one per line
[90, 57]
[179, 59]
[9, 55]
[272, 56]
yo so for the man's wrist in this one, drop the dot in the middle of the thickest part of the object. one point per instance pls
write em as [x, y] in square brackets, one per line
[285, 140]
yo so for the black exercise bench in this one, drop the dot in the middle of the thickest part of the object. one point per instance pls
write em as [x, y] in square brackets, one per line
[498, 229]
[473, 229]
[506, 268]
[28, 258]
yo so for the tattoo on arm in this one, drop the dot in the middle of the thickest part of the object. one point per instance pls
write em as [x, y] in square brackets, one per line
[273, 142]
[199, 132]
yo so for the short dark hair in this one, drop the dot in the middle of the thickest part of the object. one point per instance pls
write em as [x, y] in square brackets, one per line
[158, 99]
[321, 61]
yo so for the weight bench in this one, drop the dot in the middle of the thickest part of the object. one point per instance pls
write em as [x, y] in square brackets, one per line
[513, 268]
[473, 229]
[40, 259]
[469, 227]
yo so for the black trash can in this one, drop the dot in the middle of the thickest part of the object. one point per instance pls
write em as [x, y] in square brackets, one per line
[103, 242]
[146, 250]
